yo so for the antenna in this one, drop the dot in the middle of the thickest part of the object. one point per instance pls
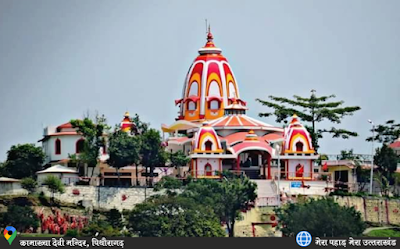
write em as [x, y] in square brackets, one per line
[206, 26]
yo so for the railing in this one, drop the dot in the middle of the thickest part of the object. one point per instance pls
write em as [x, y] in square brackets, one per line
[211, 174]
[102, 181]
[322, 176]
[365, 158]
[267, 201]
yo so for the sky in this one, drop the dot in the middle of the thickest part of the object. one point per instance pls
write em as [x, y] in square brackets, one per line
[61, 59]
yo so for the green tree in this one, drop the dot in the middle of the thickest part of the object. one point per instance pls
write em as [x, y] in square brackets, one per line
[54, 184]
[23, 160]
[114, 218]
[386, 160]
[22, 218]
[140, 127]
[152, 153]
[179, 158]
[396, 185]
[383, 183]
[321, 218]
[123, 150]
[172, 216]
[93, 131]
[226, 197]
[29, 184]
[386, 133]
[314, 109]
[100, 227]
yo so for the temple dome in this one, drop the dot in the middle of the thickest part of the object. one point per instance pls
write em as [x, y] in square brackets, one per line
[296, 138]
[206, 140]
[209, 87]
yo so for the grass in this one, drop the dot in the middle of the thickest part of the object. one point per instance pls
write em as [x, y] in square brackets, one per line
[385, 233]
[40, 235]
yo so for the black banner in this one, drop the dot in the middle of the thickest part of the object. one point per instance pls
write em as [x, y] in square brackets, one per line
[244, 243]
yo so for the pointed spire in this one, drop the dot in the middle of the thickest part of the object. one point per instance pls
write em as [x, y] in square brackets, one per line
[209, 35]
[210, 47]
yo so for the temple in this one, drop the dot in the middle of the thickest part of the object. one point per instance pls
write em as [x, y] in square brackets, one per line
[212, 128]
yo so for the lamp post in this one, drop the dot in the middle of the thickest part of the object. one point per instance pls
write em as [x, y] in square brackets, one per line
[372, 156]
[278, 150]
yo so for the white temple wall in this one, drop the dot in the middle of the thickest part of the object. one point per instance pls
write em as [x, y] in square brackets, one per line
[68, 146]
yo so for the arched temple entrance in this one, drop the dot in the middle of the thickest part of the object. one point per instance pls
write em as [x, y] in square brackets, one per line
[256, 164]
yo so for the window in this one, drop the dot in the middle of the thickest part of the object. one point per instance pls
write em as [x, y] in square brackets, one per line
[213, 105]
[299, 146]
[232, 90]
[58, 146]
[208, 169]
[191, 106]
[213, 89]
[194, 89]
[208, 145]
[79, 145]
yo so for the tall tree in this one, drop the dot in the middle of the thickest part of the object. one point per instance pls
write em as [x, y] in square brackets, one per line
[226, 197]
[152, 152]
[178, 158]
[321, 218]
[23, 160]
[386, 133]
[123, 150]
[93, 131]
[386, 160]
[313, 110]
[138, 128]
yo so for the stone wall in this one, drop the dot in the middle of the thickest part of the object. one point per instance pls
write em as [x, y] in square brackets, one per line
[257, 221]
[376, 210]
[102, 197]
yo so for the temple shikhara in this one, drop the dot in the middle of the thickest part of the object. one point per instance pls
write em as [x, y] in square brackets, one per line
[214, 131]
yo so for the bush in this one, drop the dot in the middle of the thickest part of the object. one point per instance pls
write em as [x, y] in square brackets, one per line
[114, 218]
[29, 184]
[54, 184]
[103, 228]
[73, 233]
[22, 218]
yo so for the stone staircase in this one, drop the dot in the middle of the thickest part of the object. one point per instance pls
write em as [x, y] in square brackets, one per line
[252, 173]
[266, 193]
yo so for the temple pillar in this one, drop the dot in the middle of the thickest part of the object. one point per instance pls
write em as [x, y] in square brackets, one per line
[264, 171]
[238, 163]
[269, 167]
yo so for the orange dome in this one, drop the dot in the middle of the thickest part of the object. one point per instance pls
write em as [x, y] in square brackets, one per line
[210, 85]
[126, 123]
[296, 138]
[206, 140]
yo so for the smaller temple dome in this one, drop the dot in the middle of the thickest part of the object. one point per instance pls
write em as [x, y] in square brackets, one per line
[126, 123]
[206, 140]
[251, 137]
[296, 138]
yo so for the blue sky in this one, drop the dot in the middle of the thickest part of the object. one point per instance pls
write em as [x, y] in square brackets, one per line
[59, 59]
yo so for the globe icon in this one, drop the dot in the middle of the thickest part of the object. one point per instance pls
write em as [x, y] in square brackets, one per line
[303, 238]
